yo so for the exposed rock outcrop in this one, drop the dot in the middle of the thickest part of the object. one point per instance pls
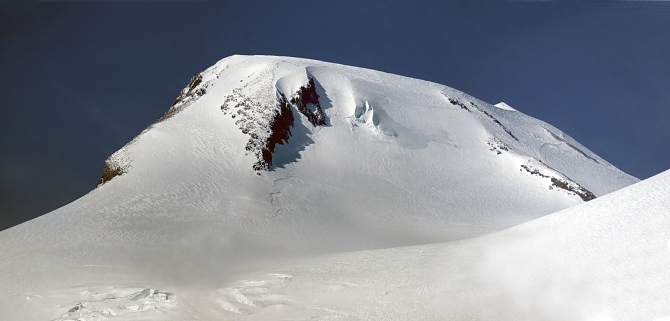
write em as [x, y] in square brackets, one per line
[112, 169]
[280, 132]
[573, 187]
[270, 125]
[565, 184]
[307, 95]
[456, 102]
[194, 90]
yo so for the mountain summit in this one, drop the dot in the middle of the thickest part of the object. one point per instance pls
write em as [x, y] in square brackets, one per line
[355, 158]
[300, 121]
[265, 156]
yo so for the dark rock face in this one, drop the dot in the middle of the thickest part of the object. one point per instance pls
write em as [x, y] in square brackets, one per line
[191, 91]
[569, 186]
[266, 126]
[456, 102]
[110, 171]
[307, 95]
[580, 191]
[194, 90]
[269, 126]
[280, 132]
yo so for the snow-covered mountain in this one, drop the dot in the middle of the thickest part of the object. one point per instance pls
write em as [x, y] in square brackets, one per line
[272, 157]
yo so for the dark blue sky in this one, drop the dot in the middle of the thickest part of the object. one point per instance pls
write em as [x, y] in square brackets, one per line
[82, 78]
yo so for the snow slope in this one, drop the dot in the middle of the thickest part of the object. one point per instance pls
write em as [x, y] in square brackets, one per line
[608, 259]
[274, 157]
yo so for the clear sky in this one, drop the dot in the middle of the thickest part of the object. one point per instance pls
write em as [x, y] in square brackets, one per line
[81, 78]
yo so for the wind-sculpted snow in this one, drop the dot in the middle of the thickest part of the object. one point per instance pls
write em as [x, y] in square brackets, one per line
[267, 158]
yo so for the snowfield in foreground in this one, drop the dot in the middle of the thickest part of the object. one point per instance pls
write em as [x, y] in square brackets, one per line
[605, 260]
[278, 188]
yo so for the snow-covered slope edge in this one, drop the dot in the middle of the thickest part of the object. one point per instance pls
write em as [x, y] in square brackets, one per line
[608, 259]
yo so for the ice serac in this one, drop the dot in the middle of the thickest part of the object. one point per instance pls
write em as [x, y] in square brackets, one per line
[265, 156]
